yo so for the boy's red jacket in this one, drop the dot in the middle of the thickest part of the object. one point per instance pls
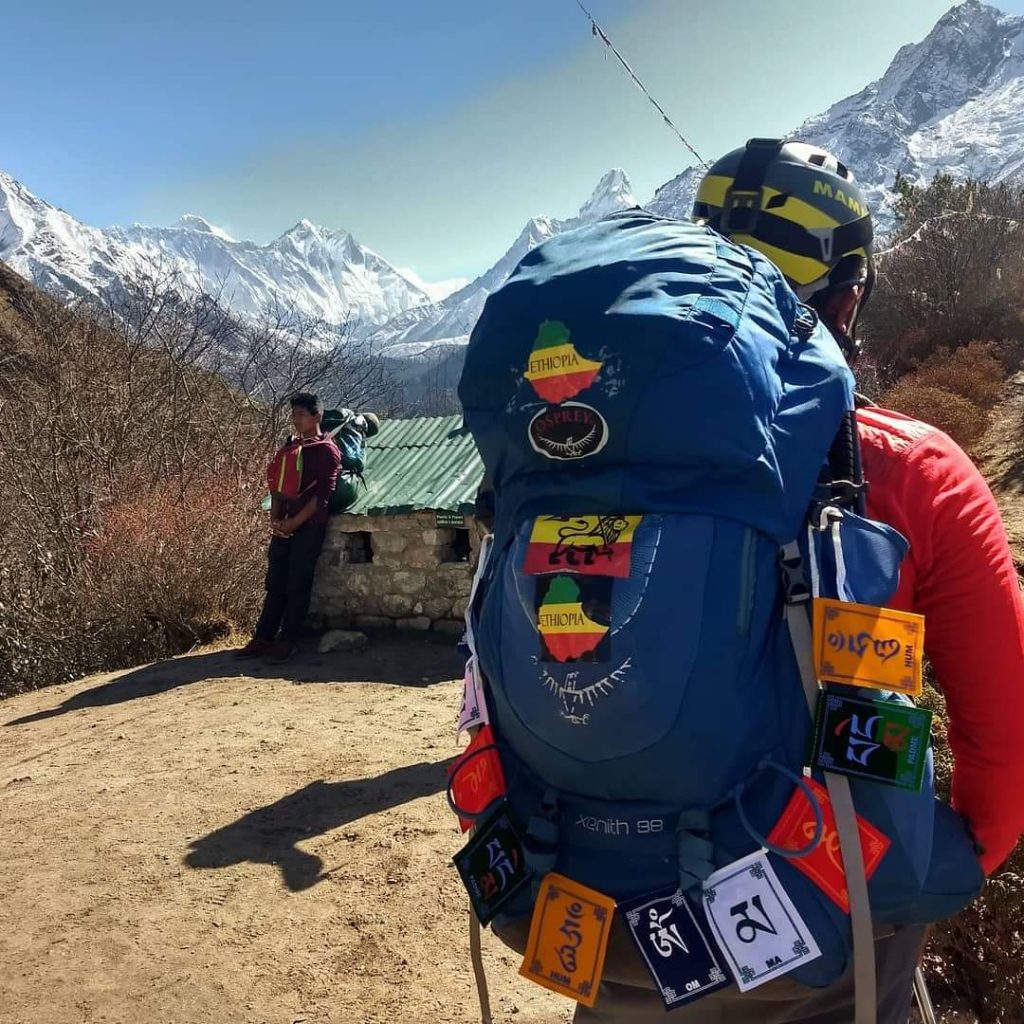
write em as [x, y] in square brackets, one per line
[960, 575]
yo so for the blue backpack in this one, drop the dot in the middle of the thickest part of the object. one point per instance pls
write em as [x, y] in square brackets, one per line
[656, 411]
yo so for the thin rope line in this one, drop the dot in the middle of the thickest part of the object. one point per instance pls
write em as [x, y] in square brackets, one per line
[603, 36]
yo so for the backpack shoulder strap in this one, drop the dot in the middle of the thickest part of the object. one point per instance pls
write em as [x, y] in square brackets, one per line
[798, 598]
[843, 476]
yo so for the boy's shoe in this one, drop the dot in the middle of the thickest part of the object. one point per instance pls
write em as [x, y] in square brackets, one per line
[280, 650]
[254, 648]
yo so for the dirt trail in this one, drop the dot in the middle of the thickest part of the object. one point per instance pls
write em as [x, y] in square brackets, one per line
[183, 843]
[1000, 456]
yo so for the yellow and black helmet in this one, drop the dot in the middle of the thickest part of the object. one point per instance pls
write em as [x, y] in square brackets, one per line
[796, 204]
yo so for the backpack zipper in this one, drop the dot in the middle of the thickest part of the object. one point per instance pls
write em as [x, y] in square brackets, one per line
[745, 608]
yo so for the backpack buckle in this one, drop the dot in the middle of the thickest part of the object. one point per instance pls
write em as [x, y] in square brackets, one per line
[741, 211]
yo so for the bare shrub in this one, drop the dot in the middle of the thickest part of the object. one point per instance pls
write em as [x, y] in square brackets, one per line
[952, 272]
[974, 959]
[195, 568]
[973, 372]
[953, 390]
[951, 413]
[132, 435]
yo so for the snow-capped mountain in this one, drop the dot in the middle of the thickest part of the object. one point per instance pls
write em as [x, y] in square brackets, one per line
[324, 273]
[449, 322]
[953, 102]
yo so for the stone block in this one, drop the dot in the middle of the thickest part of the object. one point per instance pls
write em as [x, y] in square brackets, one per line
[353, 524]
[460, 605]
[454, 579]
[437, 537]
[385, 543]
[421, 557]
[408, 582]
[345, 640]
[418, 622]
[372, 604]
[451, 627]
[357, 579]
[374, 622]
[434, 607]
[398, 606]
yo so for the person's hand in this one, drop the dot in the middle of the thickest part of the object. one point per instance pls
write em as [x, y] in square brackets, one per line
[281, 528]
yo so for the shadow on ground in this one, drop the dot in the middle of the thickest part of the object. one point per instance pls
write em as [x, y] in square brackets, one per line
[269, 835]
[400, 659]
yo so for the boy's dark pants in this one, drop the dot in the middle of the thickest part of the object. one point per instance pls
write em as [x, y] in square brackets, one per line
[290, 568]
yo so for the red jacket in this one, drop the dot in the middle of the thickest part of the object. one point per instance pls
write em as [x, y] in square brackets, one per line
[321, 461]
[960, 575]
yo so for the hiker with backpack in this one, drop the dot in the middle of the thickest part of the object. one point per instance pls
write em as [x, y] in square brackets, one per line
[302, 478]
[698, 780]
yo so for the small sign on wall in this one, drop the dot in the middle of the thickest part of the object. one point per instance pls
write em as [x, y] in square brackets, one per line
[444, 519]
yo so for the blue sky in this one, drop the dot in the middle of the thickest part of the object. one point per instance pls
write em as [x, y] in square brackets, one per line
[431, 130]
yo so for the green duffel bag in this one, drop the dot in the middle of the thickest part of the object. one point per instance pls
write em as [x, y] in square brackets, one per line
[346, 490]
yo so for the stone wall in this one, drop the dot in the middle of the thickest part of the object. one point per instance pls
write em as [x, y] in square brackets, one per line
[419, 576]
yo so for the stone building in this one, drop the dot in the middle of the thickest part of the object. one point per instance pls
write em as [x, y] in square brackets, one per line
[402, 555]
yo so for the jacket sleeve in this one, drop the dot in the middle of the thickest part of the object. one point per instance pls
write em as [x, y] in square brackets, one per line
[967, 589]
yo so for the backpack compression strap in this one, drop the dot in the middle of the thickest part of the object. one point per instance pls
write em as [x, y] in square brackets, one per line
[798, 596]
[479, 975]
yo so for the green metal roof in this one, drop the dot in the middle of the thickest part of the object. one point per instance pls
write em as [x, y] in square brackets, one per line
[412, 465]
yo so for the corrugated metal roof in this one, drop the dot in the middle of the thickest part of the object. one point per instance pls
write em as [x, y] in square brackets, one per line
[419, 464]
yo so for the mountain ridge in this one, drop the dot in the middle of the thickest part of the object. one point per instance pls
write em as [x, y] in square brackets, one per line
[953, 101]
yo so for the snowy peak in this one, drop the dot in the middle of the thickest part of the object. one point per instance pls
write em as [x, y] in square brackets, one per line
[320, 273]
[952, 102]
[303, 232]
[437, 290]
[970, 47]
[613, 193]
[193, 222]
[451, 320]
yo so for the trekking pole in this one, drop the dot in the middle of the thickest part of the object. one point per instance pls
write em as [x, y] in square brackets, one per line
[478, 968]
[924, 1000]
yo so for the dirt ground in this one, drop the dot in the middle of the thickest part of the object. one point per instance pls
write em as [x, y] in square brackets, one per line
[185, 842]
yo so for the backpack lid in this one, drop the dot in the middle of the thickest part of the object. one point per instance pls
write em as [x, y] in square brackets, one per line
[641, 364]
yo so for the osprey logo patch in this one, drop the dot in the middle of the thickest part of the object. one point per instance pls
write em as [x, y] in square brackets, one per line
[568, 431]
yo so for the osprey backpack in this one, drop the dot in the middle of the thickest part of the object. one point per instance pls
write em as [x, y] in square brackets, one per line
[659, 418]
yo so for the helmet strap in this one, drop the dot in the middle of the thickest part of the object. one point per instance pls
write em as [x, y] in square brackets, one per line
[743, 200]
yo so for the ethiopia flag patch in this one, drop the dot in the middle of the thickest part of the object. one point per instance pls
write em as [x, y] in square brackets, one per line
[573, 616]
[556, 370]
[589, 545]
